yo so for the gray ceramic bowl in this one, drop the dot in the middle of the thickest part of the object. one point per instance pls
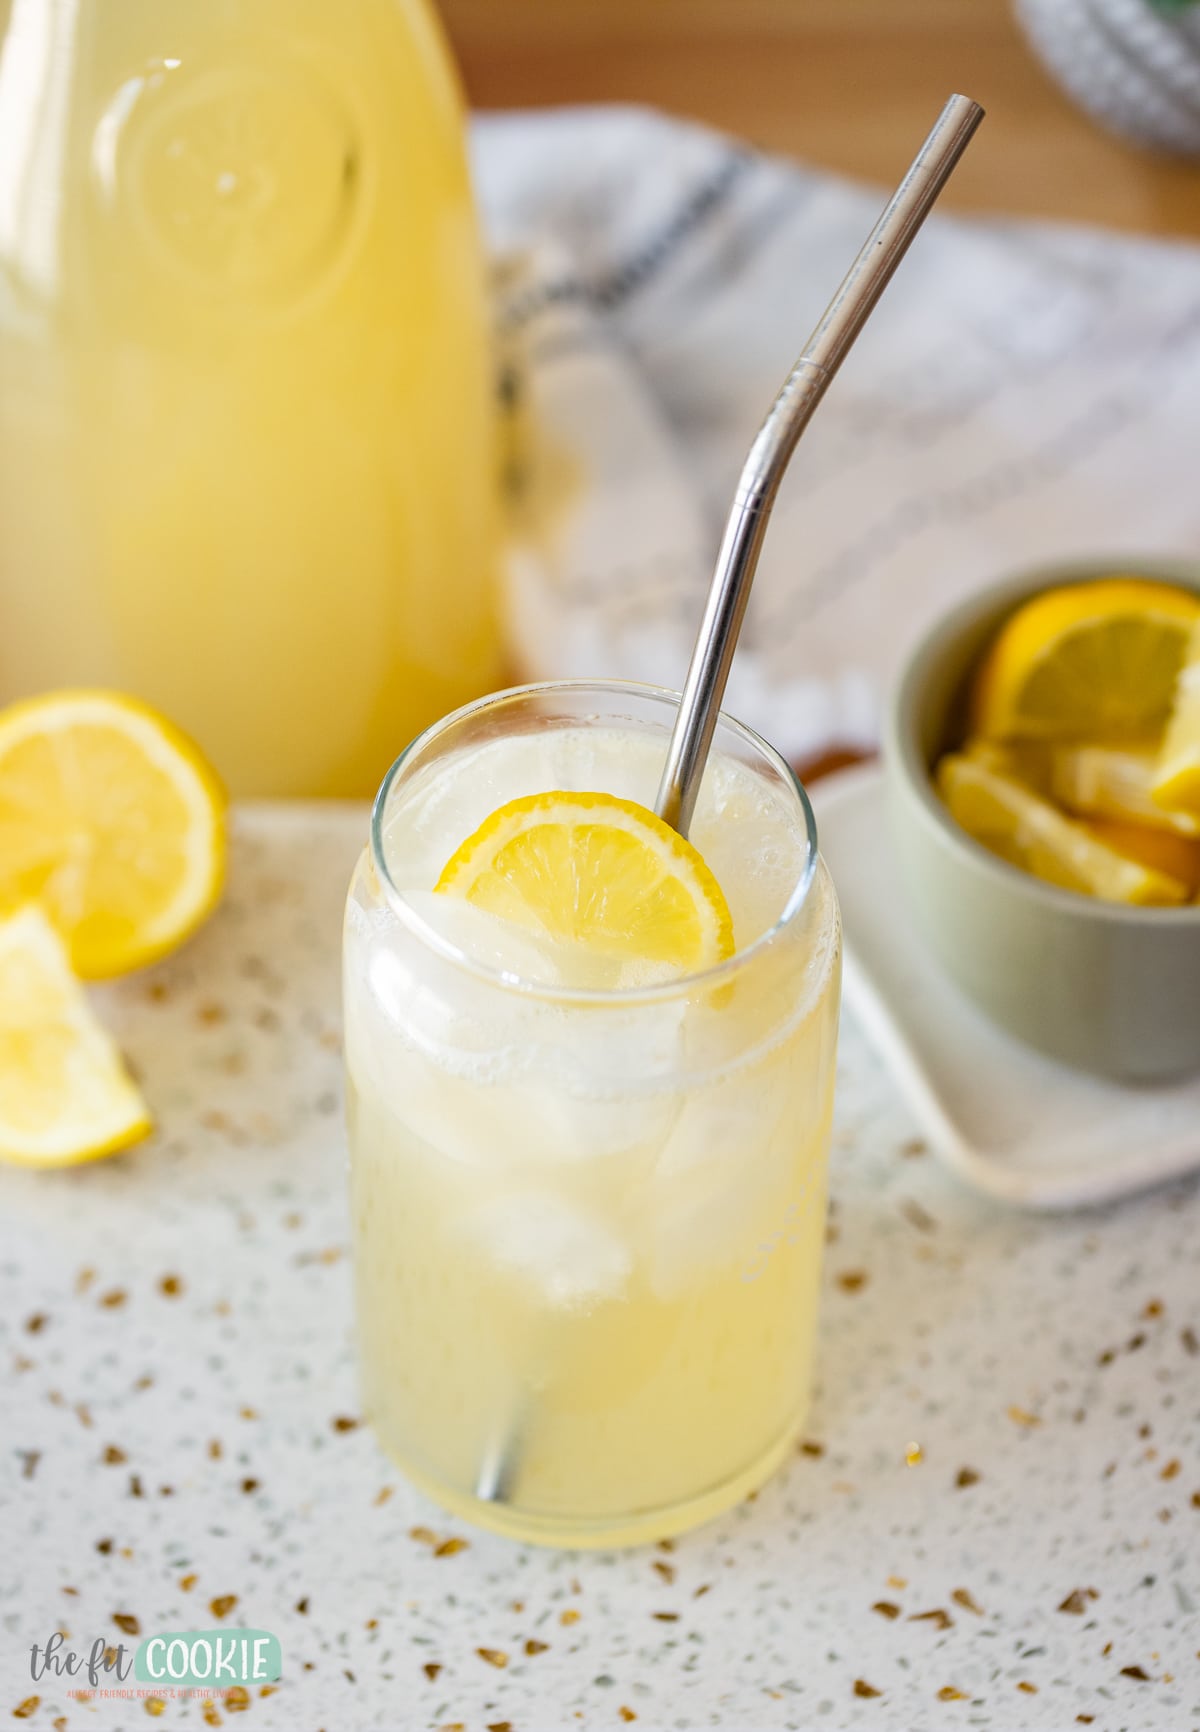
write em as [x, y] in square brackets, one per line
[1109, 989]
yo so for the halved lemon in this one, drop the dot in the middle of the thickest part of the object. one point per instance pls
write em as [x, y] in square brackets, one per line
[1088, 661]
[113, 822]
[597, 871]
[1177, 773]
[65, 1095]
[1013, 821]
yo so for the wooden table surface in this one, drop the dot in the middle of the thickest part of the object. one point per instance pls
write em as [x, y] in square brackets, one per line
[848, 84]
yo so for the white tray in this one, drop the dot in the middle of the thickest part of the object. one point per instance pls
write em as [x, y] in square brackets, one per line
[1009, 1122]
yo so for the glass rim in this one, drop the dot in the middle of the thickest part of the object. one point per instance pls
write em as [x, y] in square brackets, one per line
[507, 981]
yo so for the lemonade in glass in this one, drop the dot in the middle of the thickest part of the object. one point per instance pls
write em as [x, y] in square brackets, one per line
[588, 1183]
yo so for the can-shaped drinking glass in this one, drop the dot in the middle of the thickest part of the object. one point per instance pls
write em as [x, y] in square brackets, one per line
[588, 1220]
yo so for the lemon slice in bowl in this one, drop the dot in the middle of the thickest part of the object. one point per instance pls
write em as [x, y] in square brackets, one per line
[1009, 819]
[113, 822]
[1088, 661]
[65, 1095]
[596, 871]
[1177, 772]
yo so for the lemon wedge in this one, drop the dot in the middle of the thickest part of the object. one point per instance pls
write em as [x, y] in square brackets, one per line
[1163, 851]
[112, 821]
[1025, 761]
[1104, 783]
[1088, 661]
[1177, 773]
[596, 871]
[1011, 820]
[1108, 782]
[65, 1095]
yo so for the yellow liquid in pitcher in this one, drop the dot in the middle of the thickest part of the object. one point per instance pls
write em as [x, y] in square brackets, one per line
[245, 444]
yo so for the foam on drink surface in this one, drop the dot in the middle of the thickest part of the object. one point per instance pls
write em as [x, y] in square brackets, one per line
[742, 827]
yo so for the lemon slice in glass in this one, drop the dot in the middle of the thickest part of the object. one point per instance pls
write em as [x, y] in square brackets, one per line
[112, 821]
[1013, 821]
[65, 1095]
[1088, 661]
[595, 871]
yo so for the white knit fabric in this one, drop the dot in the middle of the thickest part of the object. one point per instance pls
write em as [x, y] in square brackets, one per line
[1132, 64]
[1025, 392]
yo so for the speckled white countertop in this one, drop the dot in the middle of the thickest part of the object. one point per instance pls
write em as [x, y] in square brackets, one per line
[994, 1520]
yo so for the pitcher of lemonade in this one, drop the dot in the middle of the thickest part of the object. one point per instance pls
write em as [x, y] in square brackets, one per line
[246, 468]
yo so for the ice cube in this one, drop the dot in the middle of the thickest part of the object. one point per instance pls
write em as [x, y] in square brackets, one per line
[493, 1076]
[486, 939]
[720, 1181]
[571, 1258]
[467, 1024]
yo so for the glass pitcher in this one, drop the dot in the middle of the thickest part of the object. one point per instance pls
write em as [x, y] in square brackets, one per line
[246, 468]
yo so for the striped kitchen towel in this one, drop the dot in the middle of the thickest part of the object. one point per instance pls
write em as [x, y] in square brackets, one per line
[1025, 392]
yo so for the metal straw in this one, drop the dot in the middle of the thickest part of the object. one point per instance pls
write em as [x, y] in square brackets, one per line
[741, 545]
[771, 452]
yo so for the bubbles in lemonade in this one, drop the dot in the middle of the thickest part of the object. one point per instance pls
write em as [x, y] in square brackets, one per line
[588, 1229]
